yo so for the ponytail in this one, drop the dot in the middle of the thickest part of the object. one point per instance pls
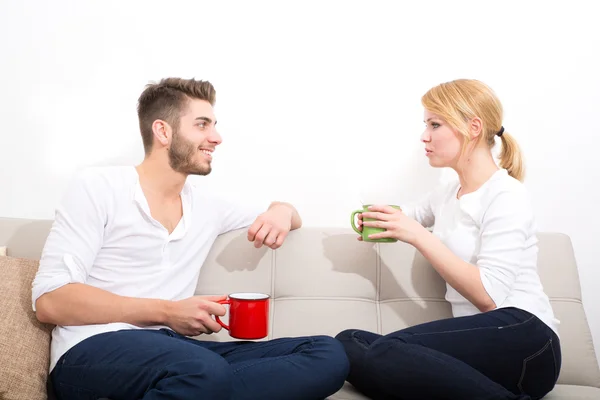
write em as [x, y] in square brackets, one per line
[511, 158]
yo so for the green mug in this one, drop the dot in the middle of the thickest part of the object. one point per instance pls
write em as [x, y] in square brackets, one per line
[368, 230]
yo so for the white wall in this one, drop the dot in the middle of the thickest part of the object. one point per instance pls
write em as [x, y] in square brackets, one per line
[306, 92]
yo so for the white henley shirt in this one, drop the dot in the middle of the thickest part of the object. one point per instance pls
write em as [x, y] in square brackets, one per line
[103, 235]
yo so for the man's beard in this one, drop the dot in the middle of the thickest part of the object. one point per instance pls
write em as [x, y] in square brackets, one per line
[181, 157]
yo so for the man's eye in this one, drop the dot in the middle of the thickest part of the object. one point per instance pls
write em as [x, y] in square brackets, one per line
[202, 124]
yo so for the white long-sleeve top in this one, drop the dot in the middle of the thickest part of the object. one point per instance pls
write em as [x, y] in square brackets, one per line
[494, 229]
[103, 235]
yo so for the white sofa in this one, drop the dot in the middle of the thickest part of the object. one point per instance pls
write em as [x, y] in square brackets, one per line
[322, 281]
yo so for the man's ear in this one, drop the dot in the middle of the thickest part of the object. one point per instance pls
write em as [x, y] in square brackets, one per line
[162, 132]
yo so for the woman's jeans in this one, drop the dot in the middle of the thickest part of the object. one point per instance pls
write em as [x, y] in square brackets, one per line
[507, 353]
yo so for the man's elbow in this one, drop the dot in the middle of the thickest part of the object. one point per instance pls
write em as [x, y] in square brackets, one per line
[43, 309]
[487, 305]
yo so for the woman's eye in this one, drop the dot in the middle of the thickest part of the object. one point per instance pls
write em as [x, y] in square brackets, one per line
[435, 125]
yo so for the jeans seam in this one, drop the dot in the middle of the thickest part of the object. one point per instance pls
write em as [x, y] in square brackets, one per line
[356, 340]
[62, 385]
[531, 357]
[310, 345]
[389, 345]
[554, 358]
[269, 344]
[475, 329]
[95, 366]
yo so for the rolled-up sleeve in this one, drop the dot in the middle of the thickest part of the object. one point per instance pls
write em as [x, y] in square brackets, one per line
[420, 212]
[75, 237]
[423, 210]
[507, 231]
[237, 215]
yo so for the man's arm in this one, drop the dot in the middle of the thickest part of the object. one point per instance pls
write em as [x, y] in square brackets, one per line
[60, 295]
[81, 304]
[272, 226]
[296, 221]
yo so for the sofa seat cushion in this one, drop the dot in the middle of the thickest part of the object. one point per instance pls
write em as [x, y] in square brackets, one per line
[25, 344]
[560, 392]
[573, 392]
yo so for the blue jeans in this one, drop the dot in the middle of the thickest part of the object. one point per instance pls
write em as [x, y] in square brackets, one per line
[161, 364]
[502, 354]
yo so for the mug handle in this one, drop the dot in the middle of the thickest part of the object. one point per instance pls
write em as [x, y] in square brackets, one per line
[352, 221]
[224, 325]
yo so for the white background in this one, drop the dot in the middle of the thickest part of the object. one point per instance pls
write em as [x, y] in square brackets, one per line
[309, 95]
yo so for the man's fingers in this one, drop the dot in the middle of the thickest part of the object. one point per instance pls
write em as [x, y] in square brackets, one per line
[214, 298]
[213, 308]
[261, 235]
[271, 238]
[211, 325]
[253, 230]
[280, 238]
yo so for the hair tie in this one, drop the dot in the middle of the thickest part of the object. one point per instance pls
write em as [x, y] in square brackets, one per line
[501, 131]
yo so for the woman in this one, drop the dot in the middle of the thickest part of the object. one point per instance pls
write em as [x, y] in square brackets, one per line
[502, 342]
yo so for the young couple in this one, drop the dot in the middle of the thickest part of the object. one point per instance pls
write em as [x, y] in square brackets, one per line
[119, 269]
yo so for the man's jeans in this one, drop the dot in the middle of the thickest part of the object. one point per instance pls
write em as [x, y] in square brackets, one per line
[161, 364]
[502, 354]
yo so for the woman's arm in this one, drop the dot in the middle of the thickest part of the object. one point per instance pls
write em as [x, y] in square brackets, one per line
[421, 211]
[505, 234]
[461, 275]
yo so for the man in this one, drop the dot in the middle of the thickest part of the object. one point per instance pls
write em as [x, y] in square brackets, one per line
[119, 268]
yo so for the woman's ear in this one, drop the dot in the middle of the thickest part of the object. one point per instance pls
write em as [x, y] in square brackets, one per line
[475, 127]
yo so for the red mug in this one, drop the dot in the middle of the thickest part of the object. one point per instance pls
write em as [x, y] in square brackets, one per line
[248, 315]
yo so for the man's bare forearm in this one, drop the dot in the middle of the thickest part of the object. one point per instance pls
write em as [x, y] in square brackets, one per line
[296, 221]
[80, 304]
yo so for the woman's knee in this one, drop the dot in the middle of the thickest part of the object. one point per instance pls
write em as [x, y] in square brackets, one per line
[357, 337]
[345, 335]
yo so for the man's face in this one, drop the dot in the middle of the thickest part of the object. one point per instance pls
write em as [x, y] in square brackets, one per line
[193, 144]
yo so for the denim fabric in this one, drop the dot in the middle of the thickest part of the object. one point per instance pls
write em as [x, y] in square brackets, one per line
[161, 364]
[502, 354]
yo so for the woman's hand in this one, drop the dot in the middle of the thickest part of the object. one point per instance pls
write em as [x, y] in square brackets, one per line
[397, 225]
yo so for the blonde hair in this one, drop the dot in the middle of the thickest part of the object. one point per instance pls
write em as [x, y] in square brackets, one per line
[461, 100]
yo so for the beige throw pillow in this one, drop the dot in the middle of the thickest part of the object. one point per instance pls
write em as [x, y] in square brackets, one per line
[25, 342]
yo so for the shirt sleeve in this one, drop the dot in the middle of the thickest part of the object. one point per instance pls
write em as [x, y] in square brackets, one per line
[237, 215]
[506, 232]
[423, 211]
[75, 238]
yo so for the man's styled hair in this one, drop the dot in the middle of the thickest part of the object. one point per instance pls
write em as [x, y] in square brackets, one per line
[167, 101]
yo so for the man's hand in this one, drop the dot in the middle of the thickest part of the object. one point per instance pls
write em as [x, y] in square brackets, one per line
[194, 316]
[271, 227]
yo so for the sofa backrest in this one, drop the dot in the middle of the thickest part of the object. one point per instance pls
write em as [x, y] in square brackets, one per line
[322, 281]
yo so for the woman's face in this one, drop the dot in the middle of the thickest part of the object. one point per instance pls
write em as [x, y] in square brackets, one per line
[442, 144]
